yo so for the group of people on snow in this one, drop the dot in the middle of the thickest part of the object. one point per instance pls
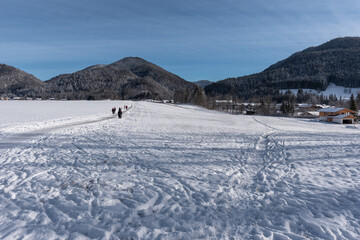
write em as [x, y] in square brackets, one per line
[113, 110]
[119, 111]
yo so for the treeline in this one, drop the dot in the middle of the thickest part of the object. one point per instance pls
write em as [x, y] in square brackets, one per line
[279, 102]
[194, 96]
[313, 98]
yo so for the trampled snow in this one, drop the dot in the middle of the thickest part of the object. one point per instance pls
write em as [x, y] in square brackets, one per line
[72, 170]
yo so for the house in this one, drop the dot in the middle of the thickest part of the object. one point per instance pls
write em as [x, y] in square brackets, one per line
[309, 107]
[337, 115]
[252, 108]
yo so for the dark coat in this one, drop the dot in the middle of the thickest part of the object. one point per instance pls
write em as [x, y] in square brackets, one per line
[119, 113]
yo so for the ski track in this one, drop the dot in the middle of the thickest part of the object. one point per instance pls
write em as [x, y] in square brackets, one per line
[165, 172]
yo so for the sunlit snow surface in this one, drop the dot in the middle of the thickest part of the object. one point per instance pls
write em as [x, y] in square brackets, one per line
[72, 170]
[338, 91]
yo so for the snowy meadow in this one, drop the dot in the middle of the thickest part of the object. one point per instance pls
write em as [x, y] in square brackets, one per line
[73, 170]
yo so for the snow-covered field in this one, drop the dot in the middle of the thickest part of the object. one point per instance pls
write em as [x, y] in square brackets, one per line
[333, 89]
[72, 170]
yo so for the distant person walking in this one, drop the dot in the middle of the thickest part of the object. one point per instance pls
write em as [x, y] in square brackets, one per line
[119, 112]
[113, 110]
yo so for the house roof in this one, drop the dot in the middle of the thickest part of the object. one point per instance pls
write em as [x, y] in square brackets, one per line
[334, 110]
[304, 105]
[331, 109]
[343, 116]
[314, 113]
[307, 105]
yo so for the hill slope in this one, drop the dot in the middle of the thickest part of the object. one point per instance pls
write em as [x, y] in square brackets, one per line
[203, 83]
[15, 82]
[337, 61]
[129, 78]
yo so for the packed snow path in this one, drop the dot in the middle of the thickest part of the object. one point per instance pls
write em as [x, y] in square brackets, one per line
[178, 172]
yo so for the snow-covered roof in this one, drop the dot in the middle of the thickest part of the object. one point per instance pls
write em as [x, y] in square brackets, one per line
[322, 105]
[308, 105]
[307, 113]
[331, 109]
[342, 116]
[251, 104]
[314, 113]
[304, 105]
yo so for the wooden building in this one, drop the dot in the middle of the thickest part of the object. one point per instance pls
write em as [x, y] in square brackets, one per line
[337, 115]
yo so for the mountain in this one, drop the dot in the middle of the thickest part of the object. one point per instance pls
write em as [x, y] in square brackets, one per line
[203, 83]
[337, 61]
[129, 78]
[15, 82]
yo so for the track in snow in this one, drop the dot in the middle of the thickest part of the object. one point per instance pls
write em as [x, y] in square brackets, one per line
[166, 172]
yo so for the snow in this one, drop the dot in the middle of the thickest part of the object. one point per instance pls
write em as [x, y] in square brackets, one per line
[72, 170]
[333, 89]
[314, 113]
[331, 109]
[14, 112]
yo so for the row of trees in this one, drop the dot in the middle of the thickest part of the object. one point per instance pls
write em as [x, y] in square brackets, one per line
[281, 102]
[195, 96]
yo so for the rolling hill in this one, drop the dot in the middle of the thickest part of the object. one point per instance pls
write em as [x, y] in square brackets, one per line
[15, 82]
[337, 61]
[129, 78]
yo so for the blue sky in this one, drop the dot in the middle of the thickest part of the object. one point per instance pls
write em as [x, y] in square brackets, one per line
[196, 40]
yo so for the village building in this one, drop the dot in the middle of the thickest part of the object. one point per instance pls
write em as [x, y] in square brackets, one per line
[304, 107]
[305, 110]
[337, 115]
